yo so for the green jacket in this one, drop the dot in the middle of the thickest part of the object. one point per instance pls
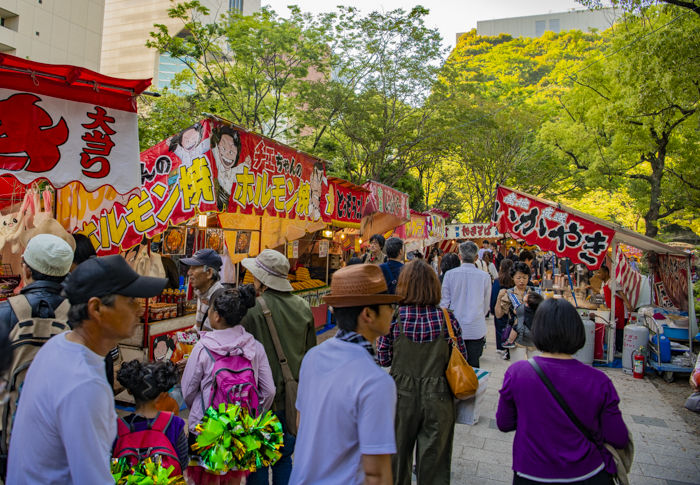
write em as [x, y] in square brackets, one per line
[295, 326]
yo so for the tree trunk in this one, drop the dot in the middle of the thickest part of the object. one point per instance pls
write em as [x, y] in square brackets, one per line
[658, 161]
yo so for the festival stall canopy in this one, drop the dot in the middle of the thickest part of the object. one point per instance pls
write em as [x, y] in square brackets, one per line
[66, 123]
[345, 202]
[211, 166]
[385, 210]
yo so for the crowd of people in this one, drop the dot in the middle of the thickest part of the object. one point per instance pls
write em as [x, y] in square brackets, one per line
[349, 421]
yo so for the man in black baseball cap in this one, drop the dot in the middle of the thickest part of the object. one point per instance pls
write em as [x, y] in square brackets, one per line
[65, 393]
[203, 272]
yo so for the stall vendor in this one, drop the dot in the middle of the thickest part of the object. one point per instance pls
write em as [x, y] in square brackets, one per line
[622, 306]
[203, 272]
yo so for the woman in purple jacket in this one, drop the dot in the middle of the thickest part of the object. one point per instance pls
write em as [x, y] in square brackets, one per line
[548, 447]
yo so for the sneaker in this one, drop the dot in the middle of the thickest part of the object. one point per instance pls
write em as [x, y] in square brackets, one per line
[506, 355]
[508, 345]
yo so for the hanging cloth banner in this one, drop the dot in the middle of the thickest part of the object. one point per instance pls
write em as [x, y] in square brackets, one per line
[257, 175]
[435, 221]
[416, 229]
[345, 202]
[471, 231]
[66, 123]
[551, 227]
[386, 209]
[672, 271]
[176, 184]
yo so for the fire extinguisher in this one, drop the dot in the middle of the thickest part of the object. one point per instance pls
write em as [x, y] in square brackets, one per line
[638, 359]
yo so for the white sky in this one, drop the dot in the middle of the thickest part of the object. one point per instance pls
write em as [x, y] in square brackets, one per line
[448, 16]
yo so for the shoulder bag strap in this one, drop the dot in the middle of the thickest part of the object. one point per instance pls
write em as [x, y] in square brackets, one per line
[286, 372]
[448, 324]
[561, 401]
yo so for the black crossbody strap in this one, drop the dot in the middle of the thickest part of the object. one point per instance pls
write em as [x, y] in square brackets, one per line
[561, 401]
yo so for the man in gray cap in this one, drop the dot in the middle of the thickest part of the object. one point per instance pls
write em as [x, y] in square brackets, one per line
[66, 424]
[203, 272]
[294, 323]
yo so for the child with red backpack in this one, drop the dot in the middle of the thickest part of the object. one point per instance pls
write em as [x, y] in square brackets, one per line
[227, 365]
[148, 431]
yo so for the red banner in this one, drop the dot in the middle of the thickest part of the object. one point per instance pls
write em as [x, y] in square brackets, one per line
[257, 175]
[416, 229]
[65, 124]
[345, 202]
[176, 183]
[673, 272]
[551, 228]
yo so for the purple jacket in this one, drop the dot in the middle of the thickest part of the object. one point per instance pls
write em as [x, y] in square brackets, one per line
[197, 377]
[547, 444]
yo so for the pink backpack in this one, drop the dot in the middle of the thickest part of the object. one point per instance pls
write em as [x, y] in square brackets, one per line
[234, 382]
[136, 446]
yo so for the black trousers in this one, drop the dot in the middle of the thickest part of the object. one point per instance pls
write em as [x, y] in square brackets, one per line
[474, 350]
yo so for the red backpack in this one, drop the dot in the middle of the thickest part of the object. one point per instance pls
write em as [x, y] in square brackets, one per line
[233, 383]
[136, 446]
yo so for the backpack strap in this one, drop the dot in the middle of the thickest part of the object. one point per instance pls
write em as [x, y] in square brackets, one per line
[20, 305]
[61, 311]
[162, 421]
[123, 428]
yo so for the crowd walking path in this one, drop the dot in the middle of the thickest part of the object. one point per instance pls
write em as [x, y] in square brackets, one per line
[667, 447]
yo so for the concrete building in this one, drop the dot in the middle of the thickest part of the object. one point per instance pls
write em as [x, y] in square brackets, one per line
[536, 25]
[127, 25]
[53, 31]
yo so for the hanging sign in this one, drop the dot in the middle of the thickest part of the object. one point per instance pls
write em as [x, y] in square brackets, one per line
[257, 175]
[414, 230]
[435, 227]
[673, 272]
[323, 248]
[176, 184]
[471, 231]
[551, 228]
[66, 123]
[344, 203]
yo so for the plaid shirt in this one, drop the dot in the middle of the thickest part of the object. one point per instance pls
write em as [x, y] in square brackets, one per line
[420, 324]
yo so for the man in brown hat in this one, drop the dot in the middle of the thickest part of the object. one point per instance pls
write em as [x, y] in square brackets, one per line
[346, 402]
[294, 323]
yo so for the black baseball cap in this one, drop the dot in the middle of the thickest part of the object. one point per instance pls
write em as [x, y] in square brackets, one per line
[204, 257]
[109, 275]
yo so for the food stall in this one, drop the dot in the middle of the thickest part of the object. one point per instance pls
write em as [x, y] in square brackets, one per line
[59, 125]
[344, 205]
[385, 210]
[586, 240]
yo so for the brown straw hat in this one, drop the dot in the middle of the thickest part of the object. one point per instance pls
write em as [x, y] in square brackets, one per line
[359, 285]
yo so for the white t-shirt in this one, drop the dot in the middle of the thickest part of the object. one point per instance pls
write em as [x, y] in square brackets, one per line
[347, 407]
[65, 423]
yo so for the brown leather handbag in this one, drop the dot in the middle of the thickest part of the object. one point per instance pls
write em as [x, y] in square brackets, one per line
[460, 375]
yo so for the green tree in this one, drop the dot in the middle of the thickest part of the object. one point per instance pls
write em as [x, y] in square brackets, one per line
[639, 5]
[253, 66]
[629, 121]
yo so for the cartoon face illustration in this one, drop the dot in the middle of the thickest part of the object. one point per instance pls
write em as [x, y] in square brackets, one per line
[227, 147]
[190, 138]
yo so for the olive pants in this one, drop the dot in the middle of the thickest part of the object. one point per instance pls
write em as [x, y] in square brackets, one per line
[427, 421]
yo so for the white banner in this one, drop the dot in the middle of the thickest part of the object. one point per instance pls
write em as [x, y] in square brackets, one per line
[471, 231]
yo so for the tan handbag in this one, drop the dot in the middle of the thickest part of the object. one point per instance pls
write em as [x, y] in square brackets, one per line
[460, 375]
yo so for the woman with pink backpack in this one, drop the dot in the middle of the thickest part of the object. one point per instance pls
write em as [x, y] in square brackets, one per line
[227, 365]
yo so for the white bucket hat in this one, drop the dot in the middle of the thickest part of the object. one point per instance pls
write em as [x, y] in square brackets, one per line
[271, 268]
[48, 254]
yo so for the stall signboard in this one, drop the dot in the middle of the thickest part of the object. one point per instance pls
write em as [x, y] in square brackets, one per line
[471, 231]
[435, 227]
[66, 123]
[344, 203]
[389, 201]
[257, 175]
[673, 273]
[416, 229]
[551, 228]
[176, 183]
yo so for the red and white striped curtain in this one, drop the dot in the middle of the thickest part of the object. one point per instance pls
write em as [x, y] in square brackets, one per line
[628, 279]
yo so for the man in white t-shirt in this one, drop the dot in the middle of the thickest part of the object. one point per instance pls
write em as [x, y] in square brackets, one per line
[346, 402]
[65, 423]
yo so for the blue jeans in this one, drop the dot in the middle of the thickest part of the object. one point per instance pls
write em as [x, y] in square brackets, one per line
[282, 470]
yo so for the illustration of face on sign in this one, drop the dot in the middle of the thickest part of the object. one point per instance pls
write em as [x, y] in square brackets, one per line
[316, 189]
[188, 145]
[226, 147]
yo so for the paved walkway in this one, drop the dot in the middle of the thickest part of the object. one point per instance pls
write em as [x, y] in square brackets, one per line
[666, 451]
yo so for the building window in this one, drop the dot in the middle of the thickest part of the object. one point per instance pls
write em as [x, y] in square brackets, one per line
[539, 27]
[236, 5]
[554, 25]
[168, 67]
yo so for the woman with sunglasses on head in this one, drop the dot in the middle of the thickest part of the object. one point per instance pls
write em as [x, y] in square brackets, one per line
[418, 349]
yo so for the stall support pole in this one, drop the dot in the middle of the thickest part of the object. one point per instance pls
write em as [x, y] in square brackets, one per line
[613, 293]
[692, 317]
[328, 256]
